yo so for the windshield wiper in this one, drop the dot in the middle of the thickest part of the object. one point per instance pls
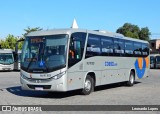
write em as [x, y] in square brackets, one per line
[30, 62]
[46, 67]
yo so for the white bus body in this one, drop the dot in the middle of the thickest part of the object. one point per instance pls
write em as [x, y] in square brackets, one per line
[6, 59]
[69, 59]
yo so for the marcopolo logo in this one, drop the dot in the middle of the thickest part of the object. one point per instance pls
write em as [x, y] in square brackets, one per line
[140, 65]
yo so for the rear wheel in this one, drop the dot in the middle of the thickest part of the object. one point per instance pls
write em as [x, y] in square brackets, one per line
[88, 85]
[131, 79]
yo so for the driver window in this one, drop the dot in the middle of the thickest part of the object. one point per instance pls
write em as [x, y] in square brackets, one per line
[76, 48]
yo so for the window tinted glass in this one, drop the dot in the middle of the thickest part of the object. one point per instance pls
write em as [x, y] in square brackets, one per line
[107, 46]
[93, 46]
[118, 47]
[76, 48]
[137, 49]
[129, 48]
[145, 50]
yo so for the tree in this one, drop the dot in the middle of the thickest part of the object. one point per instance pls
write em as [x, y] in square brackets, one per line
[10, 42]
[144, 34]
[20, 44]
[28, 30]
[133, 31]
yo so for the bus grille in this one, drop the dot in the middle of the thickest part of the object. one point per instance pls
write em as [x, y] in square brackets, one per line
[43, 86]
[38, 80]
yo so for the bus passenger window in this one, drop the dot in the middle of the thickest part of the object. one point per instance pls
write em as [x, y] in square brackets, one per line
[107, 46]
[137, 49]
[93, 46]
[129, 48]
[145, 50]
[119, 47]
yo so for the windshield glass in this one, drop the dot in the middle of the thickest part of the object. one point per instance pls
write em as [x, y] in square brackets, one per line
[6, 58]
[19, 57]
[44, 53]
[152, 59]
[157, 58]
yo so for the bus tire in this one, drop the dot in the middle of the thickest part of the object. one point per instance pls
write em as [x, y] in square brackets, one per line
[131, 79]
[88, 85]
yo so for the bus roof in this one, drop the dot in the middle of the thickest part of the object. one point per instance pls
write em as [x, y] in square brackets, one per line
[69, 31]
[6, 50]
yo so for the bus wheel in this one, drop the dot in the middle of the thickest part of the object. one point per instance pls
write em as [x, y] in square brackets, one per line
[88, 85]
[131, 79]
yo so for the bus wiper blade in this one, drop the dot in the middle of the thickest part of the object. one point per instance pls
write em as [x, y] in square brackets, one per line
[46, 67]
[30, 63]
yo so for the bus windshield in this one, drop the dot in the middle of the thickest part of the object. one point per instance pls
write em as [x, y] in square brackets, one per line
[19, 57]
[6, 58]
[158, 59]
[44, 53]
[152, 59]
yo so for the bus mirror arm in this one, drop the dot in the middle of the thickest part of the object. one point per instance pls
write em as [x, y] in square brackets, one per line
[16, 47]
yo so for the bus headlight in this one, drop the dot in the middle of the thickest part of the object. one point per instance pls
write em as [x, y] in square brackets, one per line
[58, 75]
[23, 76]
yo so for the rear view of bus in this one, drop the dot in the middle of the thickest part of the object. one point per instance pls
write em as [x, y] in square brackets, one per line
[6, 59]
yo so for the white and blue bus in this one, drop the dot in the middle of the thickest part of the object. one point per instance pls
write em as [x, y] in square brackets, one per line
[6, 60]
[70, 59]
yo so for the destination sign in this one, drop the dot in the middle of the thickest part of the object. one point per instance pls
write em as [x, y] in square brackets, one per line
[36, 40]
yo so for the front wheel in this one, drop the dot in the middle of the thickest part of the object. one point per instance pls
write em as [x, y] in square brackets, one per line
[88, 85]
[131, 79]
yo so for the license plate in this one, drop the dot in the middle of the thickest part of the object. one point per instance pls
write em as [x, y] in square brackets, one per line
[39, 88]
[5, 68]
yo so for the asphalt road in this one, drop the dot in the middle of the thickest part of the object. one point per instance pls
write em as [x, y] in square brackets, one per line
[145, 92]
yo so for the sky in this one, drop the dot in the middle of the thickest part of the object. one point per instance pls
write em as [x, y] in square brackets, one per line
[16, 15]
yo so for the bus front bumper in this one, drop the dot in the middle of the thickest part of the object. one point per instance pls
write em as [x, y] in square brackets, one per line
[6, 68]
[157, 65]
[151, 65]
[38, 85]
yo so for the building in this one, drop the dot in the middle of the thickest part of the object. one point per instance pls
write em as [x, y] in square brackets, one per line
[155, 46]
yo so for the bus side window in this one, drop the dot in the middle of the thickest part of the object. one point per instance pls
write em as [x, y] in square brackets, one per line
[118, 47]
[93, 46]
[76, 48]
[107, 46]
[145, 50]
[129, 48]
[137, 49]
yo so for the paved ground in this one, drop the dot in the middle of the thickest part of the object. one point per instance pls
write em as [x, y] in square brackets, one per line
[145, 92]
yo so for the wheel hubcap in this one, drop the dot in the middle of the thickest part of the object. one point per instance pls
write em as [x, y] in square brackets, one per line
[87, 85]
[132, 79]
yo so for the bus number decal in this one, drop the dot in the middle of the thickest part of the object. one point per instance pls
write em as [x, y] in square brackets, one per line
[90, 63]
